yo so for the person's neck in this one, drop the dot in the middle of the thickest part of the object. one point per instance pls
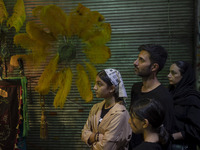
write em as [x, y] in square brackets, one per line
[109, 102]
[150, 84]
[151, 137]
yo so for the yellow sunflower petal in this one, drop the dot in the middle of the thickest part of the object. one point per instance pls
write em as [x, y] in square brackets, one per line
[89, 22]
[77, 20]
[14, 60]
[98, 54]
[64, 89]
[38, 52]
[36, 58]
[80, 14]
[83, 84]
[72, 25]
[37, 33]
[26, 42]
[18, 17]
[23, 40]
[93, 20]
[53, 17]
[27, 59]
[37, 11]
[102, 36]
[82, 10]
[43, 86]
[32, 60]
[56, 80]
[92, 71]
[3, 12]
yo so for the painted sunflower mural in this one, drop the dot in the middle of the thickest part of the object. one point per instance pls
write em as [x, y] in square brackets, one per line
[79, 27]
[8, 22]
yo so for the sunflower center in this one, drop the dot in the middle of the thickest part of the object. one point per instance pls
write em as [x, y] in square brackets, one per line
[67, 49]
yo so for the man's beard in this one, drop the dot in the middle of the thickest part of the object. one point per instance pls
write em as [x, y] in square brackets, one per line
[145, 72]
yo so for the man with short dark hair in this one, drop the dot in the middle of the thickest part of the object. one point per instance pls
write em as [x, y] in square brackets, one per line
[150, 61]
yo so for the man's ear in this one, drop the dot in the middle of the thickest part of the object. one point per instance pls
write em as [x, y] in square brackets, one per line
[146, 123]
[155, 67]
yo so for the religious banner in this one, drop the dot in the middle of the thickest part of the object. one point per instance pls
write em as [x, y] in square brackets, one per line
[10, 113]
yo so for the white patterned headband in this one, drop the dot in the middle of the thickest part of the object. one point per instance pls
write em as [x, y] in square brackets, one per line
[116, 80]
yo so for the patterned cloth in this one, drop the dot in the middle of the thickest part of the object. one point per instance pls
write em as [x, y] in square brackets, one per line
[11, 114]
[116, 80]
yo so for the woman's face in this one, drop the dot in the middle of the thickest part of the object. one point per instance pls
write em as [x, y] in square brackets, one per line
[136, 124]
[102, 90]
[174, 75]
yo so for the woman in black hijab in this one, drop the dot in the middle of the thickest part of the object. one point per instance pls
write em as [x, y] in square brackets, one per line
[186, 106]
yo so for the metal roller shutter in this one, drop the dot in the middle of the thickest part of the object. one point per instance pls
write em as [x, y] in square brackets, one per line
[169, 23]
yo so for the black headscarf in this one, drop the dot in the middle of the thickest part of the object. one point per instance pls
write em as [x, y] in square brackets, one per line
[183, 95]
[185, 88]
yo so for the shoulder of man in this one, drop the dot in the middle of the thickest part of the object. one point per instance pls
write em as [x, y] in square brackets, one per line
[163, 90]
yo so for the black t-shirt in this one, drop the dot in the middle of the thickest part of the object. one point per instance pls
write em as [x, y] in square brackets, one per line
[148, 146]
[103, 113]
[163, 96]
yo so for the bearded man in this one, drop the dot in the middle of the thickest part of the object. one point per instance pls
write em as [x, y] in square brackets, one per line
[150, 61]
